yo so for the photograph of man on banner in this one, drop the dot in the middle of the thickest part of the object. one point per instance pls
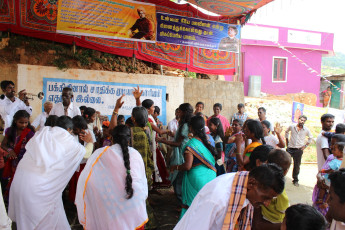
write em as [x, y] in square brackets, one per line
[231, 42]
[143, 28]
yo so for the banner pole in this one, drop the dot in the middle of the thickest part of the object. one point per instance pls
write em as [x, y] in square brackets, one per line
[74, 48]
[134, 60]
[239, 56]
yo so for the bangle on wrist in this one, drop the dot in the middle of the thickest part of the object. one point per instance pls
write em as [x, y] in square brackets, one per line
[115, 113]
[238, 153]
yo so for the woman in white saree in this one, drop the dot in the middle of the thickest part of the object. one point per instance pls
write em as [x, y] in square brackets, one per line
[112, 189]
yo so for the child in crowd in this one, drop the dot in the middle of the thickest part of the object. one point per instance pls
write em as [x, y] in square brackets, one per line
[14, 143]
[230, 146]
[303, 217]
[320, 202]
[339, 129]
[120, 120]
[155, 115]
[272, 216]
[216, 129]
[79, 126]
[90, 116]
[259, 156]
[106, 138]
[334, 164]
[275, 142]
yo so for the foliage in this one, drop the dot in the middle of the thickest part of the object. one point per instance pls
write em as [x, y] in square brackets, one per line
[333, 65]
[327, 70]
[60, 63]
[189, 74]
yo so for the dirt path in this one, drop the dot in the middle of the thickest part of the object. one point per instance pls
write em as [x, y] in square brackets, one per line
[307, 180]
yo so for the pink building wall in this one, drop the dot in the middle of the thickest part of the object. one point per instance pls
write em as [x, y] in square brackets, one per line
[257, 59]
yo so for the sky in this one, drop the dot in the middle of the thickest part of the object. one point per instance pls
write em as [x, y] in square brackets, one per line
[316, 15]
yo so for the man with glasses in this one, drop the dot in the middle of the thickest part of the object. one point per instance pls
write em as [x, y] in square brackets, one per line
[296, 144]
[66, 107]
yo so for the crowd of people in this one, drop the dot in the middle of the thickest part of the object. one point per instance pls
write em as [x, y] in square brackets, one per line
[225, 175]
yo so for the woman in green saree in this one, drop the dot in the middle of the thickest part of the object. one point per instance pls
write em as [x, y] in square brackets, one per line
[185, 112]
[199, 163]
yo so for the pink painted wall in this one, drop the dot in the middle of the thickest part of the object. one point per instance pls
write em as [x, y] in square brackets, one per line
[326, 39]
[258, 60]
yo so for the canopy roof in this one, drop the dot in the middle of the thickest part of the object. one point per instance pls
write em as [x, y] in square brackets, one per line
[229, 8]
[229, 11]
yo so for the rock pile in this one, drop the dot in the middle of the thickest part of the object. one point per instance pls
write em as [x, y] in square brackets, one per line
[276, 110]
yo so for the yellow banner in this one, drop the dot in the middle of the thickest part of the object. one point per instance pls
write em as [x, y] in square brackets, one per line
[128, 20]
[314, 114]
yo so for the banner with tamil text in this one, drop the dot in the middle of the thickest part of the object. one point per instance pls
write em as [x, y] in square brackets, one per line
[102, 96]
[197, 32]
[128, 20]
[313, 113]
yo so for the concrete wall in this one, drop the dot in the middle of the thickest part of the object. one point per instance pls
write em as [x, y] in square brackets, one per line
[229, 94]
[30, 77]
[180, 90]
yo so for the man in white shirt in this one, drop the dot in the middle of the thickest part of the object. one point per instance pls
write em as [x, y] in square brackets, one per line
[297, 144]
[51, 158]
[10, 104]
[336, 200]
[41, 119]
[262, 117]
[173, 124]
[219, 202]
[322, 146]
[67, 107]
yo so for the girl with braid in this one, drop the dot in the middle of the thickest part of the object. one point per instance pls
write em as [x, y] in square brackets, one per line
[199, 163]
[112, 189]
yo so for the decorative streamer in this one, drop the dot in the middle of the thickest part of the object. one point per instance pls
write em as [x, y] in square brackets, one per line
[310, 69]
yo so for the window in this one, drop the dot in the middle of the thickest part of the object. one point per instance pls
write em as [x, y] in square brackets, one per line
[279, 69]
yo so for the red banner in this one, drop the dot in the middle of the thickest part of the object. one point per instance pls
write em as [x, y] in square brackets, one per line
[37, 18]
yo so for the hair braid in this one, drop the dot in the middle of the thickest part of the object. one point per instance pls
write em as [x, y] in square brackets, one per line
[121, 136]
[198, 125]
[124, 146]
[202, 135]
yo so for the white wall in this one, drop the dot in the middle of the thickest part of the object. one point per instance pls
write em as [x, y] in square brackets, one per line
[30, 77]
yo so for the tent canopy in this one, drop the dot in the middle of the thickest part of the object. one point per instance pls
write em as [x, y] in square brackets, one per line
[229, 11]
[232, 9]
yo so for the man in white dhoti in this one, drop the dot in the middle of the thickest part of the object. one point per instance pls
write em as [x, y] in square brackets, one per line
[51, 158]
[112, 189]
[228, 201]
[5, 222]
